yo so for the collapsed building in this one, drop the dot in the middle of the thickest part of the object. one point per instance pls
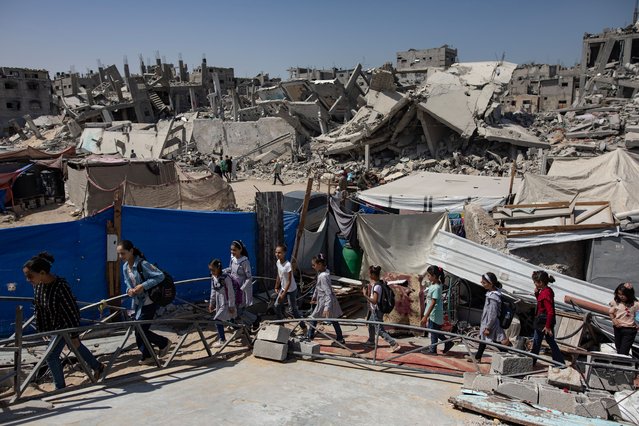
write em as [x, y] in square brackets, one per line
[23, 92]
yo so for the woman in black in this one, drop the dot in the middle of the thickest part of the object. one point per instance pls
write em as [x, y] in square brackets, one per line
[56, 309]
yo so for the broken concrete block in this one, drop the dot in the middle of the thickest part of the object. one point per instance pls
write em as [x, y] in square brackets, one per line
[305, 347]
[486, 383]
[274, 333]
[608, 402]
[270, 350]
[520, 389]
[565, 378]
[469, 378]
[537, 379]
[556, 399]
[592, 408]
[504, 363]
[608, 378]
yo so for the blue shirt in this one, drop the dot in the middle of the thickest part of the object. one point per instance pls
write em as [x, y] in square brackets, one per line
[153, 276]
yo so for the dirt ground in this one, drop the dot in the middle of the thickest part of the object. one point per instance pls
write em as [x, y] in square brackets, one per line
[244, 189]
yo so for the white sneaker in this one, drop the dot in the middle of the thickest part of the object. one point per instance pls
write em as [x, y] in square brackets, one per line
[219, 343]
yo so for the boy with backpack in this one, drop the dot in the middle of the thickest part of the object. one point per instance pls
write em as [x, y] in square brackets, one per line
[381, 300]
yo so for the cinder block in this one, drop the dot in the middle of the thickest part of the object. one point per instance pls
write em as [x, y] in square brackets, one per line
[270, 350]
[565, 378]
[538, 379]
[520, 389]
[274, 333]
[304, 346]
[557, 399]
[608, 378]
[469, 378]
[486, 383]
[504, 363]
[592, 408]
[608, 402]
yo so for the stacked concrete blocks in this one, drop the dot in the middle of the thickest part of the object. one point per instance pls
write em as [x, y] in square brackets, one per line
[272, 343]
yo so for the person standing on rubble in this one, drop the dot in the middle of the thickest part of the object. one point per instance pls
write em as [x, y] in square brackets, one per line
[545, 316]
[326, 303]
[223, 166]
[138, 286]
[434, 315]
[623, 310]
[222, 299]
[56, 309]
[233, 169]
[489, 328]
[373, 294]
[277, 172]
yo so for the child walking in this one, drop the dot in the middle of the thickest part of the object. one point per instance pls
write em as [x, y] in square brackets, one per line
[286, 288]
[222, 300]
[327, 304]
[545, 317]
[373, 293]
[623, 310]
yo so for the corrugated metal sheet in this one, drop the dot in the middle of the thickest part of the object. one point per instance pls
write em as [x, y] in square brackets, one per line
[468, 260]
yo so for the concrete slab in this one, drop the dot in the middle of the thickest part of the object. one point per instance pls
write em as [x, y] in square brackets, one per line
[260, 392]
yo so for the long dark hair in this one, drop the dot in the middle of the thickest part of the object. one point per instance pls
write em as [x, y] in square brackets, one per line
[238, 244]
[627, 290]
[438, 272]
[320, 258]
[543, 277]
[128, 246]
[375, 270]
[492, 278]
[40, 263]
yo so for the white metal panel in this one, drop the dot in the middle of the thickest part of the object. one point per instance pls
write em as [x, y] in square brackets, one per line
[468, 260]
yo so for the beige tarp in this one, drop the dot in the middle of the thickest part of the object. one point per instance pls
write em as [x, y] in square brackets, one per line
[160, 184]
[610, 177]
[398, 243]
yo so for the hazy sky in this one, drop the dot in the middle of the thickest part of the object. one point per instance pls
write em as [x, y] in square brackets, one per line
[270, 36]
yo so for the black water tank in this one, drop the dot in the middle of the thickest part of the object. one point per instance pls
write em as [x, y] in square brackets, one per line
[27, 185]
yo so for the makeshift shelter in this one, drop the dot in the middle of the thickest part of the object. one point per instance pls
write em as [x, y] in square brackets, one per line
[438, 192]
[610, 177]
[93, 181]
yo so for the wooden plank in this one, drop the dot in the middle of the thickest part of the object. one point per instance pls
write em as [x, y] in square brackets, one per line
[549, 205]
[590, 213]
[517, 214]
[270, 232]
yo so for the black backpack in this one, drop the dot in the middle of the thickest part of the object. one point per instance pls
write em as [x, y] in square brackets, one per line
[506, 313]
[163, 293]
[386, 302]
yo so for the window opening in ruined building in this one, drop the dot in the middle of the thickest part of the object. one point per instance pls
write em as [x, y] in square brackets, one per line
[13, 105]
[35, 105]
[32, 86]
[594, 49]
[615, 55]
[564, 84]
[10, 85]
[634, 51]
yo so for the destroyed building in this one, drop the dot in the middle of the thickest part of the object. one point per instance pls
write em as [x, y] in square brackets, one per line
[413, 64]
[23, 91]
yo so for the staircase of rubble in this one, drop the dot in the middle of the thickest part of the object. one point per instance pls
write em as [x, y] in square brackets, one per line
[157, 102]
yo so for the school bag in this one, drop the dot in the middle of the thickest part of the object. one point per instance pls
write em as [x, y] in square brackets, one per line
[237, 288]
[163, 293]
[386, 302]
[506, 313]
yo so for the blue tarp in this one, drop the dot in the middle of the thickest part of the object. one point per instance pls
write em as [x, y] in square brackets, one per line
[291, 221]
[79, 248]
[184, 242]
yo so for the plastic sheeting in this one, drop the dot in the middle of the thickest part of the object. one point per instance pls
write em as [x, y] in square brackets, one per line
[183, 242]
[611, 177]
[79, 249]
[398, 243]
[291, 221]
[312, 243]
[559, 237]
[438, 192]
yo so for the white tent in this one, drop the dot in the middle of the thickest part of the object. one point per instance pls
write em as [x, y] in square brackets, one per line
[438, 192]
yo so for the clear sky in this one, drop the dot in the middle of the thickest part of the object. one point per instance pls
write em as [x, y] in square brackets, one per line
[270, 36]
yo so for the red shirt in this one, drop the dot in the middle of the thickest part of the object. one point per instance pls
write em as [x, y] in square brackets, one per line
[546, 305]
